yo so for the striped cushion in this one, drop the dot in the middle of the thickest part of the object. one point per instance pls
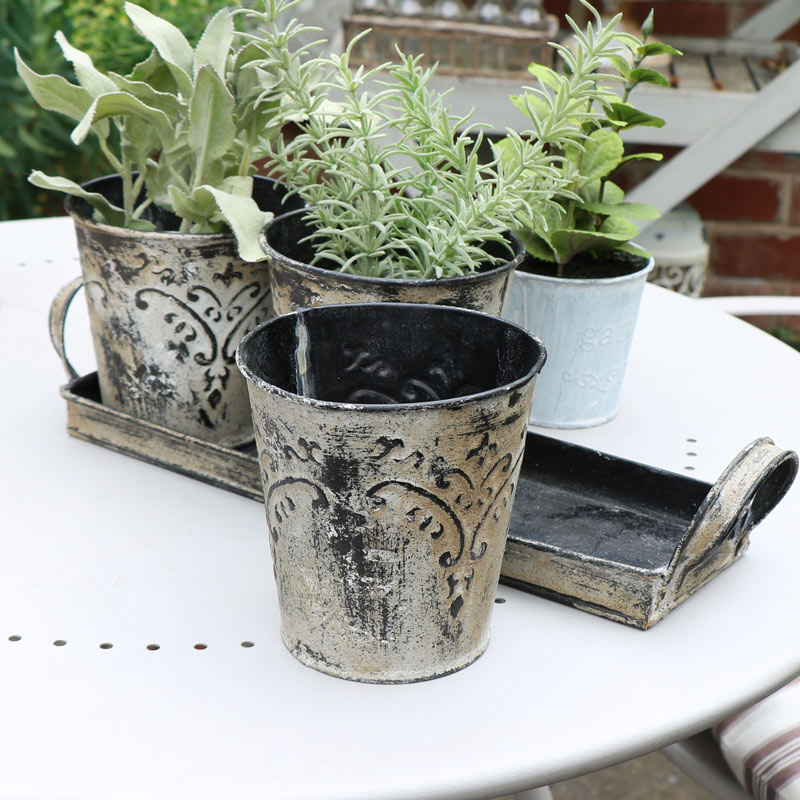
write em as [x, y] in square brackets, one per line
[762, 745]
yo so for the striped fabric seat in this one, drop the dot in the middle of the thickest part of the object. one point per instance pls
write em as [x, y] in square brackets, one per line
[762, 745]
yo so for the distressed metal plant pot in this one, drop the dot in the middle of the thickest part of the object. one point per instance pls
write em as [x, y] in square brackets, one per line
[297, 284]
[587, 325]
[167, 311]
[389, 438]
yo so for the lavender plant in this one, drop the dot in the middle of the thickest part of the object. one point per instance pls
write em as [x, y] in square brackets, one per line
[393, 179]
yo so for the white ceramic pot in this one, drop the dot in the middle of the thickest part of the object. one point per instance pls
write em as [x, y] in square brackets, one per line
[587, 326]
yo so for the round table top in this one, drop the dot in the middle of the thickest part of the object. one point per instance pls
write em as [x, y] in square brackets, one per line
[100, 549]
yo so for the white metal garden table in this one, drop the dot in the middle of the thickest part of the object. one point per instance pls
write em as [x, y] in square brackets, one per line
[130, 598]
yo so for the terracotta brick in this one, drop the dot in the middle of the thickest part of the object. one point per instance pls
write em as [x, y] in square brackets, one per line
[793, 34]
[759, 253]
[558, 7]
[764, 161]
[794, 209]
[739, 197]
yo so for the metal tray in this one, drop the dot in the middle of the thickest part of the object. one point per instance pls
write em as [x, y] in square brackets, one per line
[623, 540]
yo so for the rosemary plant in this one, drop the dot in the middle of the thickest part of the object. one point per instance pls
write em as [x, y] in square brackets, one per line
[393, 179]
[185, 126]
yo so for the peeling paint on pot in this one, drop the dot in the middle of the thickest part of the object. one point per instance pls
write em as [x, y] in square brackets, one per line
[587, 325]
[389, 487]
[167, 311]
[296, 284]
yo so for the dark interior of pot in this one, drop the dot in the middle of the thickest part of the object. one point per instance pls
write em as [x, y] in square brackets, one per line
[390, 353]
[270, 195]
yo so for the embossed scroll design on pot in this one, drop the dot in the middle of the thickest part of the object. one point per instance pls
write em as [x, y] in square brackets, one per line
[167, 311]
[388, 516]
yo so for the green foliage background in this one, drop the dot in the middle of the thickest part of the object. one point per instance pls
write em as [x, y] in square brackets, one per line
[31, 138]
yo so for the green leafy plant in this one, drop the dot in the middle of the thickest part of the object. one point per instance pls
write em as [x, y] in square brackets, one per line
[29, 136]
[393, 180]
[185, 126]
[592, 215]
[100, 28]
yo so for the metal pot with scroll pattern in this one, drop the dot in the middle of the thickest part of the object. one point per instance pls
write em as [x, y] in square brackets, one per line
[167, 310]
[296, 283]
[390, 438]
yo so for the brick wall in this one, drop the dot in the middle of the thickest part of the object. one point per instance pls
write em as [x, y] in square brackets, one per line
[677, 17]
[752, 209]
[752, 215]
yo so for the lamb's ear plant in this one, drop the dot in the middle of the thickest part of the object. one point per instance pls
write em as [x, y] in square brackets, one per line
[184, 127]
[393, 178]
[591, 215]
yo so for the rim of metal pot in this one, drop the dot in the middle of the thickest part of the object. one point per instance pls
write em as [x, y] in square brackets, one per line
[630, 276]
[516, 257]
[389, 407]
[120, 232]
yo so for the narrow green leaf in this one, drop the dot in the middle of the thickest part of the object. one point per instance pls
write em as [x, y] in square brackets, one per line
[626, 210]
[638, 211]
[90, 78]
[528, 103]
[647, 25]
[618, 229]
[211, 126]
[568, 243]
[620, 64]
[54, 93]
[628, 116]
[643, 75]
[545, 75]
[244, 218]
[168, 40]
[215, 43]
[660, 49]
[644, 157]
[536, 245]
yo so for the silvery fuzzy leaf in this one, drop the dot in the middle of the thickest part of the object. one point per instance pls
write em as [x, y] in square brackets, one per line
[244, 218]
[53, 92]
[215, 44]
[109, 213]
[169, 41]
[163, 101]
[120, 103]
[195, 206]
[211, 127]
[89, 77]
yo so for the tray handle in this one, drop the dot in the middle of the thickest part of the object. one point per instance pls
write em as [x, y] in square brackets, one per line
[58, 318]
[749, 488]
